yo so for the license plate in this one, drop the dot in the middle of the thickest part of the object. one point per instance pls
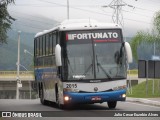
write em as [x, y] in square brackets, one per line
[96, 98]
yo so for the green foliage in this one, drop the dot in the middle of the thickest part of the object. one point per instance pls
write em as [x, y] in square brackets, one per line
[148, 37]
[135, 42]
[139, 91]
[156, 22]
[140, 37]
[6, 2]
[5, 20]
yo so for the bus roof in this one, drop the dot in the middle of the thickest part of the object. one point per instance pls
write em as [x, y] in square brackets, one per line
[79, 24]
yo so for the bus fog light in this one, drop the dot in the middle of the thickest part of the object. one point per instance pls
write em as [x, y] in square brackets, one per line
[66, 98]
[123, 95]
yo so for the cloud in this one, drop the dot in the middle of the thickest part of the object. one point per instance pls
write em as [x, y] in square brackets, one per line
[136, 19]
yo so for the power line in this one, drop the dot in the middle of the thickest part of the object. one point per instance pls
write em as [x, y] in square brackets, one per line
[92, 11]
[154, 1]
[77, 9]
[91, 6]
[33, 20]
[145, 9]
[117, 15]
[137, 14]
[61, 5]
[25, 14]
[37, 5]
[31, 26]
[137, 21]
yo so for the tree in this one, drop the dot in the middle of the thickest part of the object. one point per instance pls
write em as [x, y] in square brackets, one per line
[5, 20]
[149, 37]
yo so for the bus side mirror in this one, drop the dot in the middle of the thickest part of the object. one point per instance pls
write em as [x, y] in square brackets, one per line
[128, 52]
[58, 55]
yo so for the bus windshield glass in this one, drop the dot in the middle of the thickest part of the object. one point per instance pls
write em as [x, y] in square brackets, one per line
[95, 54]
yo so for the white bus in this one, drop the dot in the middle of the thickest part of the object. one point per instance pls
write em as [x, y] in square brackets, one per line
[81, 61]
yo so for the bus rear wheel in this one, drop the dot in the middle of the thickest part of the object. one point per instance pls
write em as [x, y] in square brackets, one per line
[42, 100]
[112, 104]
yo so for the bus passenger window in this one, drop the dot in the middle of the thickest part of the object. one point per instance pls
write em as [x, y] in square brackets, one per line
[40, 46]
[47, 44]
[50, 43]
[44, 45]
[54, 42]
[37, 47]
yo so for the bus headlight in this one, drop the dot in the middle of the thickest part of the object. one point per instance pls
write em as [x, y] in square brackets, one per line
[66, 98]
[70, 90]
[123, 95]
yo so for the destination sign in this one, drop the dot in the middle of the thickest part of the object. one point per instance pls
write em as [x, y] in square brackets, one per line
[97, 35]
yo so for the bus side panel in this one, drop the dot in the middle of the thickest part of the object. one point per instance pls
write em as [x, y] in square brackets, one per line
[48, 77]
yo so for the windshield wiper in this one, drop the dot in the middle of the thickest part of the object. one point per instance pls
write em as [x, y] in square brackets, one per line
[99, 65]
[69, 64]
[86, 71]
[71, 69]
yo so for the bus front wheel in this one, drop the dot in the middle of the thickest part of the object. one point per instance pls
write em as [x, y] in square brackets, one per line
[112, 104]
[58, 100]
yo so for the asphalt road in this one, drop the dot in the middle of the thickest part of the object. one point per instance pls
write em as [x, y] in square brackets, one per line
[79, 111]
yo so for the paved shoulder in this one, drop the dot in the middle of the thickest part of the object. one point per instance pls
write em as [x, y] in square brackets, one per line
[150, 101]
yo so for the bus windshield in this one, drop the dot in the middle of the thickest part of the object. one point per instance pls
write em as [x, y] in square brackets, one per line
[95, 54]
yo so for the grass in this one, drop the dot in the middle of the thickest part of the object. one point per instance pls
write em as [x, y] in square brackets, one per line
[133, 72]
[139, 91]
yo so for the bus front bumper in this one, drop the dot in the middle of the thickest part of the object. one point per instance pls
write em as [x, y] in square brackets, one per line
[97, 97]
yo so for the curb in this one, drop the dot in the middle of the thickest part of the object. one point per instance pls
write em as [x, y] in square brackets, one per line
[142, 100]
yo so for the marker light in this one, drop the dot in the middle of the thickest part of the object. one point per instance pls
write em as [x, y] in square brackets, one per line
[66, 98]
[123, 95]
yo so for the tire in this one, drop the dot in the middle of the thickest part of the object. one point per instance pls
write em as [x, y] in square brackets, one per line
[112, 104]
[42, 100]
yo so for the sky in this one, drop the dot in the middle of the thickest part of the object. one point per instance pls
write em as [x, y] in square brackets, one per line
[138, 17]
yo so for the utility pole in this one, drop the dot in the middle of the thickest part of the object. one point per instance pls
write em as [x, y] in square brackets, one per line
[68, 9]
[117, 16]
[18, 66]
[30, 89]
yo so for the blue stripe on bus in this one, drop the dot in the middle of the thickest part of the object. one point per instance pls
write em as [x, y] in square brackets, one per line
[40, 72]
[87, 97]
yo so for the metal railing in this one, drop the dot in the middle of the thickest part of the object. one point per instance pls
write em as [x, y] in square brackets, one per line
[13, 74]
